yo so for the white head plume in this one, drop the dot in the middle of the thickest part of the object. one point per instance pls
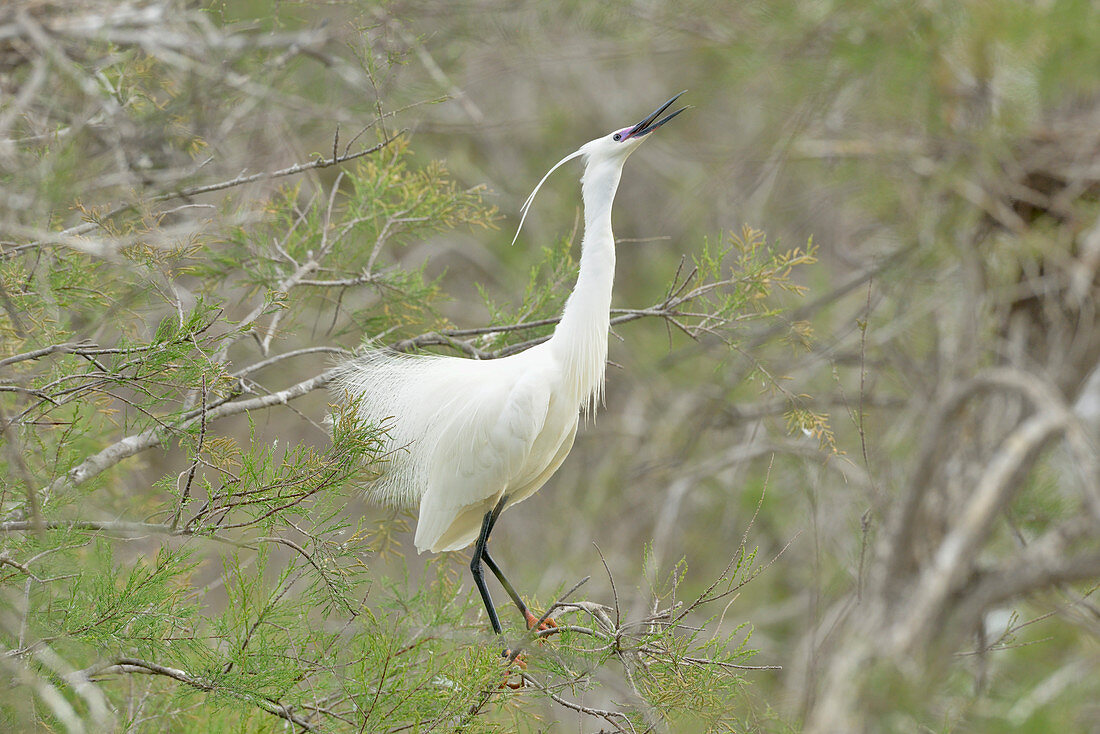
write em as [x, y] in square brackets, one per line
[527, 204]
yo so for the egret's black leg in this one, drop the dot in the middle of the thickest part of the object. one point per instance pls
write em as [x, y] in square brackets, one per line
[531, 619]
[475, 563]
[492, 516]
[504, 582]
[493, 564]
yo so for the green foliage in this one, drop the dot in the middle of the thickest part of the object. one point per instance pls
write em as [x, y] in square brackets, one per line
[548, 283]
[760, 270]
[183, 546]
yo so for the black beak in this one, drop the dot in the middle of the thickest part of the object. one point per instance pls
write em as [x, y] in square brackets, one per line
[646, 126]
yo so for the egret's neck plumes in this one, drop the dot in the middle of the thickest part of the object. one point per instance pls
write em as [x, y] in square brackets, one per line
[580, 339]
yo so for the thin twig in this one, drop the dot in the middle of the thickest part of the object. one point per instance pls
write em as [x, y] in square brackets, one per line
[190, 191]
[136, 665]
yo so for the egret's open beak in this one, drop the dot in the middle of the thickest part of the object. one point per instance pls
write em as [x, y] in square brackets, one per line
[646, 126]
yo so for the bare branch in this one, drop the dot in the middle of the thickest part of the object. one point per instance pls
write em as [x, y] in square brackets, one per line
[131, 666]
[617, 719]
[957, 550]
[241, 180]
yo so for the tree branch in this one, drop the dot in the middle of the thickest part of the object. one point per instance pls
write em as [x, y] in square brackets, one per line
[138, 666]
[190, 191]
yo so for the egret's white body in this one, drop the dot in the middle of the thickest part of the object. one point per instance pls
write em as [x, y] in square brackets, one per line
[463, 433]
[457, 450]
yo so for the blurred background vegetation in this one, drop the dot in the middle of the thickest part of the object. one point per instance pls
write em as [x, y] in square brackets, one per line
[908, 444]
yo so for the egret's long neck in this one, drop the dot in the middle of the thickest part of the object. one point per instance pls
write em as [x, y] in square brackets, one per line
[580, 339]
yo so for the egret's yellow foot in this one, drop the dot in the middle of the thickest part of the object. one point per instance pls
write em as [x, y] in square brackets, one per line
[532, 620]
[513, 663]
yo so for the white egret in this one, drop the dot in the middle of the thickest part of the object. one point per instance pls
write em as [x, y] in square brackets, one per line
[470, 438]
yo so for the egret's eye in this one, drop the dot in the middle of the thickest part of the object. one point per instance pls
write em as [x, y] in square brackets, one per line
[618, 136]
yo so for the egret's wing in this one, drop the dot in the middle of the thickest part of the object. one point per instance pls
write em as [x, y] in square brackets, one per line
[482, 446]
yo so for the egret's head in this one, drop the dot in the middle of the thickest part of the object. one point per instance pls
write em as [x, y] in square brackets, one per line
[621, 142]
[610, 150]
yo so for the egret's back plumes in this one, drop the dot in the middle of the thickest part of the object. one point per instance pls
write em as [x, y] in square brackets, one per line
[389, 388]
